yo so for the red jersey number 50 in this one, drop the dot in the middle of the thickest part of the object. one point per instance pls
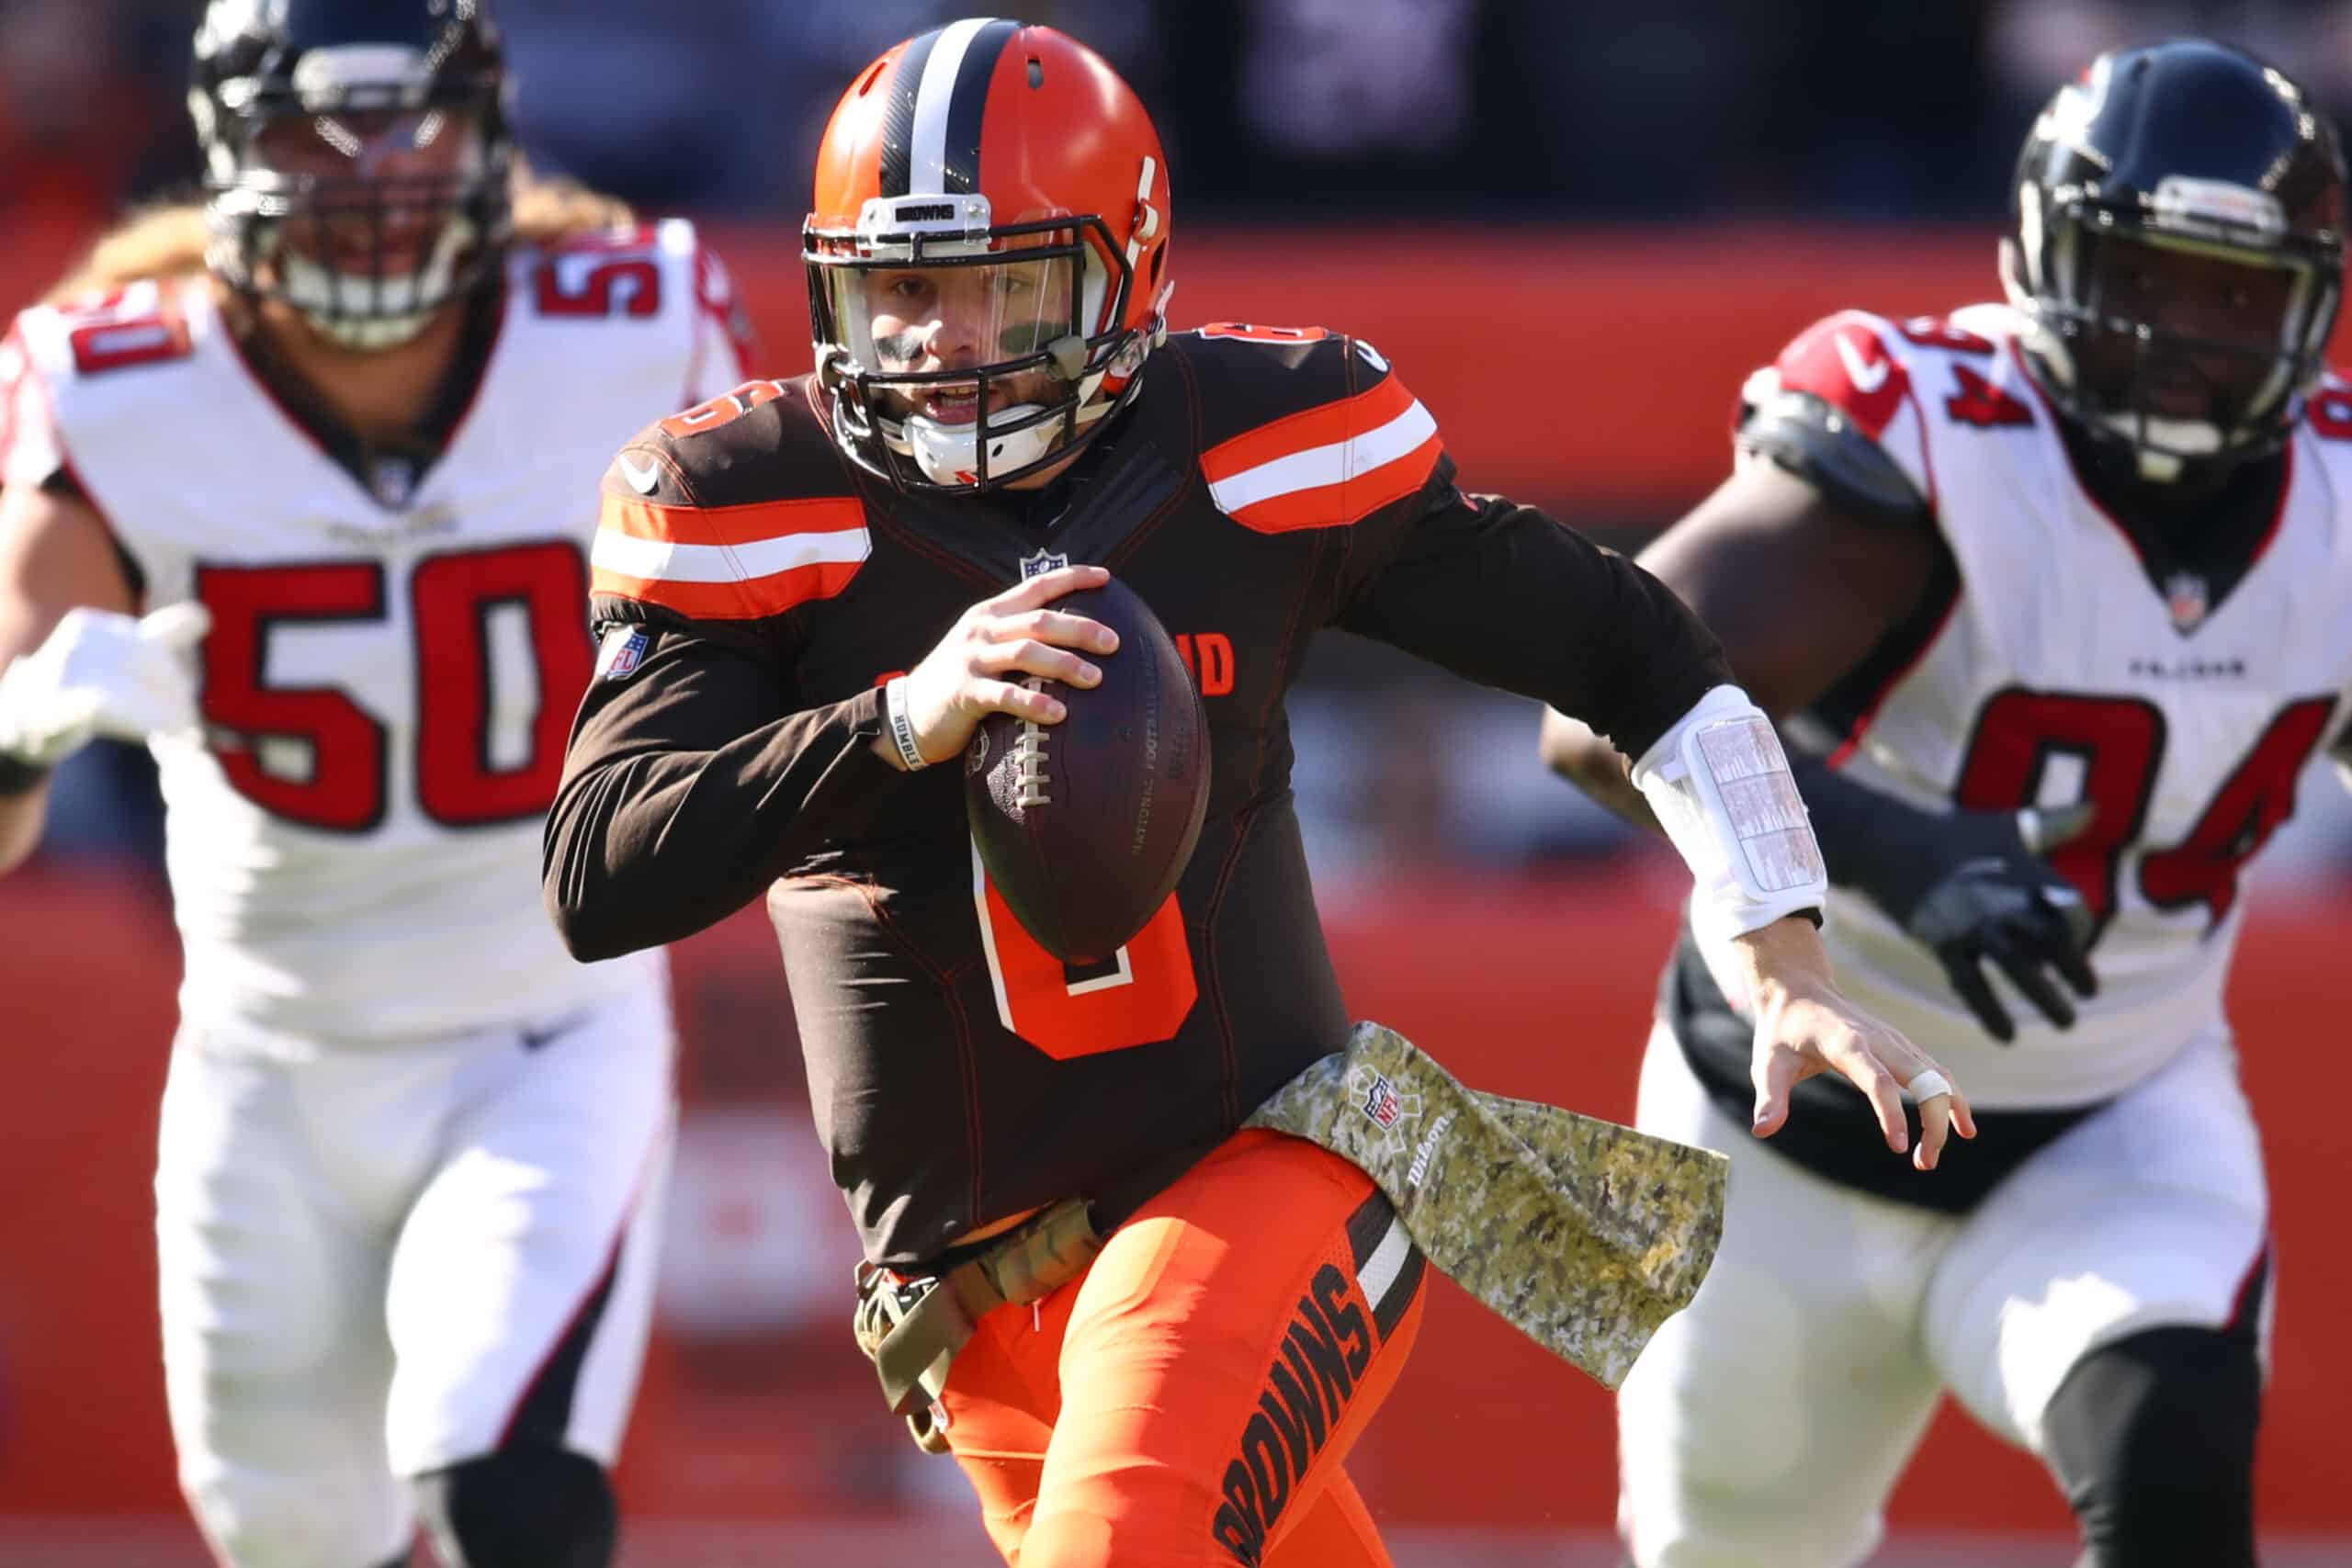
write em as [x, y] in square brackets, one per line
[459, 783]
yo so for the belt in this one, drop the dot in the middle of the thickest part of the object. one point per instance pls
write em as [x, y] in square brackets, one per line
[911, 1328]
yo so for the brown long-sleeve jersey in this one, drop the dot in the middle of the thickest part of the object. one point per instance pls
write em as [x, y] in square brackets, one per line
[754, 588]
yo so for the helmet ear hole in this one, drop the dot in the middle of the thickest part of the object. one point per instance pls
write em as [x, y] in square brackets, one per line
[1159, 259]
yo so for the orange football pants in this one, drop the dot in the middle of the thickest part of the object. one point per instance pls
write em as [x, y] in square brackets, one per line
[1189, 1400]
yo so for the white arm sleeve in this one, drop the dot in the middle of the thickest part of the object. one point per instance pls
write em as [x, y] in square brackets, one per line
[1720, 787]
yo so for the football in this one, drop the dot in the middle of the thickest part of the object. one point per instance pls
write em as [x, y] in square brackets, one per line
[1084, 826]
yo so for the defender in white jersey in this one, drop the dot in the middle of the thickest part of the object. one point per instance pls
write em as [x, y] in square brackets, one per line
[331, 436]
[2050, 598]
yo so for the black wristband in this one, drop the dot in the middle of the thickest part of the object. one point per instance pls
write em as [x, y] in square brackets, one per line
[1870, 840]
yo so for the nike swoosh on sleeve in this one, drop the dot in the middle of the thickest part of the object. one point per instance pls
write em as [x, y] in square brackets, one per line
[1868, 376]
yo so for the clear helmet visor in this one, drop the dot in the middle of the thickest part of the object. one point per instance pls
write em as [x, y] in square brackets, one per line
[389, 146]
[963, 353]
[969, 365]
[925, 335]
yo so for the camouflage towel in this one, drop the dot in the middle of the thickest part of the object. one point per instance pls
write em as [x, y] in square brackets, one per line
[1585, 1235]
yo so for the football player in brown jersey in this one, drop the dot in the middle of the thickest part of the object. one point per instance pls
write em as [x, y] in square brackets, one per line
[810, 591]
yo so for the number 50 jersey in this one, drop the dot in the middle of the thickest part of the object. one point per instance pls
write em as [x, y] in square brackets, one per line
[2061, 665]
[396, 649]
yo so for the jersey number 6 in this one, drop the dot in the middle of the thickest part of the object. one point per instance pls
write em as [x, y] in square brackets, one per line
[1138, 995]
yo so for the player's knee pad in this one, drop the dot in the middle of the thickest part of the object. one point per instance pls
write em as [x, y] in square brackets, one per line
[2151, 1439]
[532, 1505]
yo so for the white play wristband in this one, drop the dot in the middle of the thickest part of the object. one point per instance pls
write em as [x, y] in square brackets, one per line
[1720, 785]
[902, 728]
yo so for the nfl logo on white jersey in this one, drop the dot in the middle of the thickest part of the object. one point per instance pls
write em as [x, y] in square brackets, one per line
[2185, 598]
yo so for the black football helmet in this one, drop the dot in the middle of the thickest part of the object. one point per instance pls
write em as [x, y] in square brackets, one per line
[2177, 251]
[357, 156]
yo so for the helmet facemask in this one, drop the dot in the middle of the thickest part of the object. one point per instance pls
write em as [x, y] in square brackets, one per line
[962, 354]
[2189, 326]
[367, 192]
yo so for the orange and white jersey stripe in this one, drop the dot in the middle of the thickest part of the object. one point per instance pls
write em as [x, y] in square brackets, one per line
[1328, 466]
[729, 562]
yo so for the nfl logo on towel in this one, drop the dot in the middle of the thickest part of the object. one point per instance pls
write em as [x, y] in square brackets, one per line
[622, 651]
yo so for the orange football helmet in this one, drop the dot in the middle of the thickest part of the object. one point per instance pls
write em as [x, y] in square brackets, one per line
[988, 254]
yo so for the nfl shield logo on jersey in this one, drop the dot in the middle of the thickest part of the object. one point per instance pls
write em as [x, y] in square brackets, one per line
[2185, 598]
[622, 651]
[1040, 564]
[393, 480]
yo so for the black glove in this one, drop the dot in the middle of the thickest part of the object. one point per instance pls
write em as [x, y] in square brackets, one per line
[1971, 886]
[1976, 891]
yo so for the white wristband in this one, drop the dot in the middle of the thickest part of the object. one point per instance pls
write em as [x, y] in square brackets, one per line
[902, 728]
[1722, 789]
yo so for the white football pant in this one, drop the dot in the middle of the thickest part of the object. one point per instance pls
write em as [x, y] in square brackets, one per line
[378, 1262]
[1764, 1425]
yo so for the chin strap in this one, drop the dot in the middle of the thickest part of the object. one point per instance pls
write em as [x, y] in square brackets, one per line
[950, 453]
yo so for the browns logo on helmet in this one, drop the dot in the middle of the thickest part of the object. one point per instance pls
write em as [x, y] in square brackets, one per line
[987, 255]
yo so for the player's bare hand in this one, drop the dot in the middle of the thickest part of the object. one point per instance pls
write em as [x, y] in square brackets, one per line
[984, 663]
[1803, 1027]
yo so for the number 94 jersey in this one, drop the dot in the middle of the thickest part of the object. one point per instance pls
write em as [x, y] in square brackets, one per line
[2062, 666]
[395, 653]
